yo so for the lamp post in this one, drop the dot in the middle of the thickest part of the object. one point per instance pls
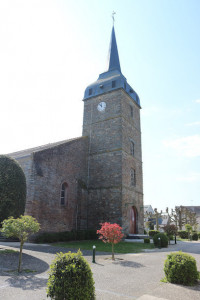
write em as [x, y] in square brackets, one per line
[159, 243]
[93, 259]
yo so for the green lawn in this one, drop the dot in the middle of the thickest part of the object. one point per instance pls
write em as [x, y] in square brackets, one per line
[122, 247]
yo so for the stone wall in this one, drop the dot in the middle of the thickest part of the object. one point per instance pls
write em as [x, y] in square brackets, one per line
[110, 161]
[132, 195]
[45, 171]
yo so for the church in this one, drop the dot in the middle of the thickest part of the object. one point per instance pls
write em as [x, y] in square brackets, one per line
[79, 183]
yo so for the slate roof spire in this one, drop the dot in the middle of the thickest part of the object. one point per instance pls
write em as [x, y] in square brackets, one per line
[114, 63]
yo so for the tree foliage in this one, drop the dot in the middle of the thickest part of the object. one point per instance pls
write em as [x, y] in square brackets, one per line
[188, 228]
[20, 228]
[70, 278]
[12, 188]
[170, 229]
[110, 233]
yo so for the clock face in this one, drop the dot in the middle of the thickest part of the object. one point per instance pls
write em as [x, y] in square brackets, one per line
[101, 106]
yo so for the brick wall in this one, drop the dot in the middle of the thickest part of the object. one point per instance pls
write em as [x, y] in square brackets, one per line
[45, 171]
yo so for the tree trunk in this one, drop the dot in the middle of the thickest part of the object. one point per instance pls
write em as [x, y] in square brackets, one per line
[113, 256]
[20, 256]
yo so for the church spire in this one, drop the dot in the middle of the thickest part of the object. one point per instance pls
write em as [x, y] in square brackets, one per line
[114, 63]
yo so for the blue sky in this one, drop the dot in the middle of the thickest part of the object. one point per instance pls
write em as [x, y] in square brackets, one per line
[51, 50]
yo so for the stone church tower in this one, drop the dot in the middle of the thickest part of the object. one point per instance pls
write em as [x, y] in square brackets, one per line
[77, 184]
[112, 124]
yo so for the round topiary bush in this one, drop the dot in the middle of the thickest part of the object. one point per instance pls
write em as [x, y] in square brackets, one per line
[181, 268]
[195, 236]
[12, 188]
[160, 240]
[70, 278]
[153, 232]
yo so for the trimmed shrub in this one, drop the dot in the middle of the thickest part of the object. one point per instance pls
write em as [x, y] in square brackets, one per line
[153, 232]
[181, 268]
[146, 240]
[195, 236]
[12, 188]
[54, 237]
[163, 240]
[171, 237]
[70, 278]
[198, 234]
[183, 234]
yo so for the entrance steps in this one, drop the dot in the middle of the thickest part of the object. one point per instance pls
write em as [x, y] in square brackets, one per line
[137, 236]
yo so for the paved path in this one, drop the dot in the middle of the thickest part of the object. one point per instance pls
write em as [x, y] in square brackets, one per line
[130, 276]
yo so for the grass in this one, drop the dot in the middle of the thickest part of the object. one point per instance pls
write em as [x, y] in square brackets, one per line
[122, 247]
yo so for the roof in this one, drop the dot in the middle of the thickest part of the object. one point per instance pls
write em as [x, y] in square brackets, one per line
[195, 209]
[114, 63]
[27, 152]
[112, 79]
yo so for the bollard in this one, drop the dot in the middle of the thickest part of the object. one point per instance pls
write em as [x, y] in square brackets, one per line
[159, 243]
[94, 248]
[175, 239]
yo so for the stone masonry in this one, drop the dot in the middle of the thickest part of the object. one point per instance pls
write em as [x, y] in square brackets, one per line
[110, 160]
[46, 169]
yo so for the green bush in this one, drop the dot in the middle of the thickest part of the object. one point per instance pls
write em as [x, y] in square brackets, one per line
[181, 268]
[198, 234]
[70, 278]
[146, 240]
[195, 236]
[12, 188]
[153, 232]
[171, 237]
[54, 237]
[183, 234]
[163, 240]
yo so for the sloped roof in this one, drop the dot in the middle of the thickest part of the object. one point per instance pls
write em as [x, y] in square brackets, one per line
[195, 209]
[27, 152]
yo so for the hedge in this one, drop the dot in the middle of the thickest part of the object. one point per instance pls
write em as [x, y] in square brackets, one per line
[12, 188]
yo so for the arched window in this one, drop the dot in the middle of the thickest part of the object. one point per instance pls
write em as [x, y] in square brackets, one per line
[133, 177]
[132, 148]
[131, 111]
[63, 193]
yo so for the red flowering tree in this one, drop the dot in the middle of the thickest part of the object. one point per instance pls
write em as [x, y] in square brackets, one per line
[110, 233]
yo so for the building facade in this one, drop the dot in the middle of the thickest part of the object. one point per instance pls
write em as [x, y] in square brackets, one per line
[80, 183]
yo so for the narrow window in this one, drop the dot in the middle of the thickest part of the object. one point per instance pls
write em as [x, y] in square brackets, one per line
[132, 148]
[90, 92]
[133, 178]
[131, 111]
[63, 194]
[113, 84]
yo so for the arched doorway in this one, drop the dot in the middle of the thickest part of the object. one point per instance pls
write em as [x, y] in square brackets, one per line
[133, 220]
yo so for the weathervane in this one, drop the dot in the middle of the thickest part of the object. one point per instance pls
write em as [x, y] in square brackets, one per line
[113, 16]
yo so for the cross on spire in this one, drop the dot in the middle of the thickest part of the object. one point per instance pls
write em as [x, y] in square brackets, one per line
[113, 16]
